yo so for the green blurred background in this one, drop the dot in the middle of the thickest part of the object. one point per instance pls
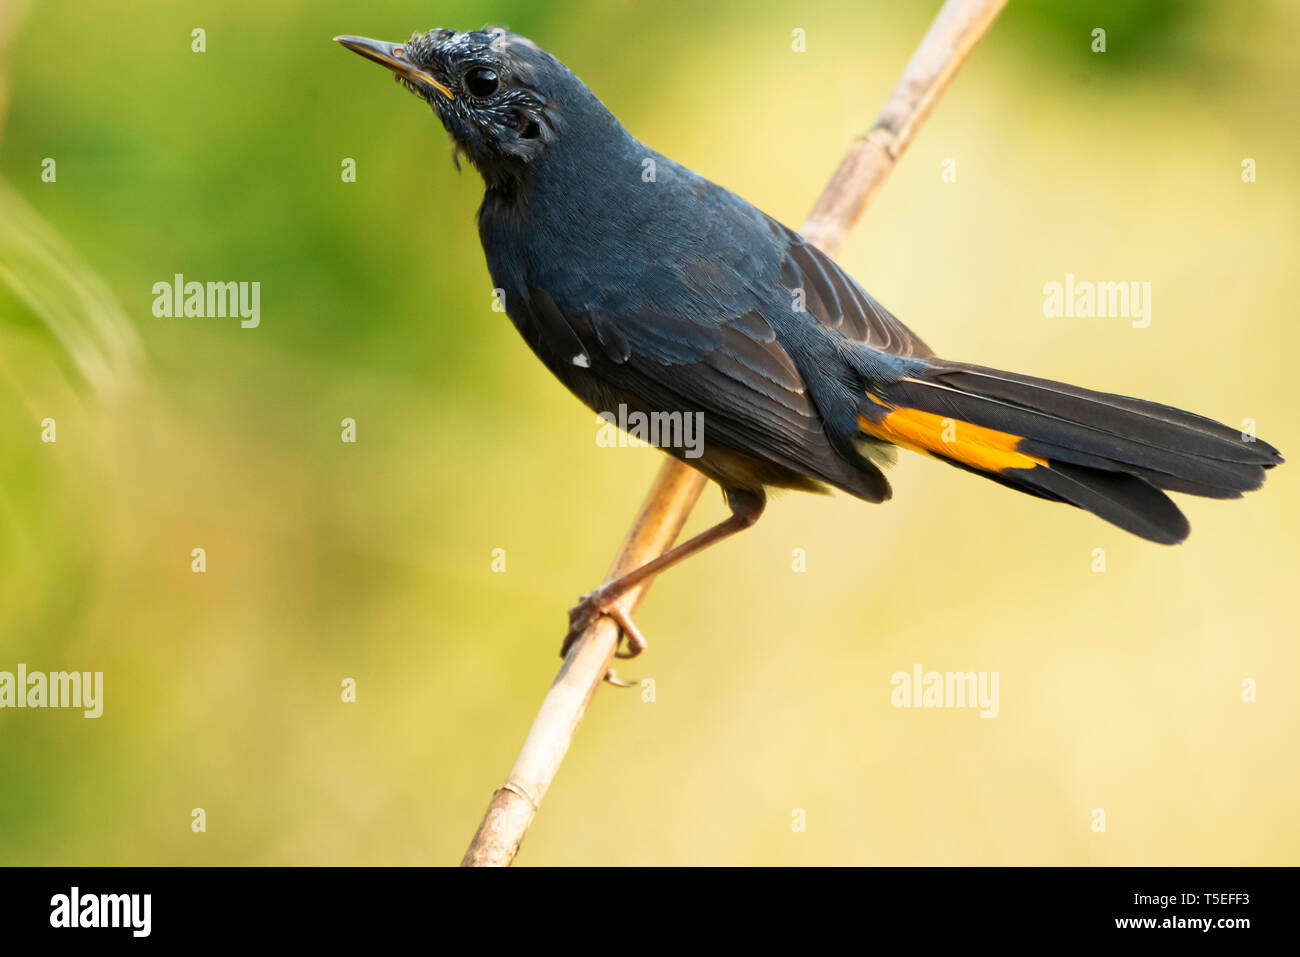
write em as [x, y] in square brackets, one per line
[373, 561]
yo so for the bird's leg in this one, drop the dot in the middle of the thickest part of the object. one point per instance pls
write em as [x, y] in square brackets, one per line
[746, 507]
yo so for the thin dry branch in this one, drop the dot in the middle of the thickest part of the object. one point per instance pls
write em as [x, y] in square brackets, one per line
[956, 29]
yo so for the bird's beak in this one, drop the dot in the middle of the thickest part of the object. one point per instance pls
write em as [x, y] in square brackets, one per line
[393, 56]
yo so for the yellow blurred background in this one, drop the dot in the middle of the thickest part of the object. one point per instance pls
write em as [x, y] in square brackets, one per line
[1120, 690]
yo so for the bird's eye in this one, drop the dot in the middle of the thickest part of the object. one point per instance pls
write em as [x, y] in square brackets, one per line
[481, 81]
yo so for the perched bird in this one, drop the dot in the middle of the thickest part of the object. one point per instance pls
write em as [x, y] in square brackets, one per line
[669, 294]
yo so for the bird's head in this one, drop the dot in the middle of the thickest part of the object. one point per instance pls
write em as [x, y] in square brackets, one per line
[500, 96]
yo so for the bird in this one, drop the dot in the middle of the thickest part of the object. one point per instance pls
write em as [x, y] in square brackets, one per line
[643, 286]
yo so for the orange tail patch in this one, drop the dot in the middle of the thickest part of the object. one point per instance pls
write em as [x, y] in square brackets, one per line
[973, 445]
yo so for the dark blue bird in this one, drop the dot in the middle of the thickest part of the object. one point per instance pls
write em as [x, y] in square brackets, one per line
[642, 285]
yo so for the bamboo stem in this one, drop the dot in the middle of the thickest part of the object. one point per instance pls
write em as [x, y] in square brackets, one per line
[956, 29]
[675, 491]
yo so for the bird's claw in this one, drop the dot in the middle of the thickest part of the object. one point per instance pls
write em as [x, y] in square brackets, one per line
[611, 677]
[594, 605]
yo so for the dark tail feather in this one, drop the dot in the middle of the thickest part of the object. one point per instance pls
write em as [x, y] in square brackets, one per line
[1108, 454]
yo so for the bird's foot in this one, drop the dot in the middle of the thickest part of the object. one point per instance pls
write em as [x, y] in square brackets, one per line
[594, 605]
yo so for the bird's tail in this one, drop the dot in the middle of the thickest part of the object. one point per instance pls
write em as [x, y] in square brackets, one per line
[1108, 454]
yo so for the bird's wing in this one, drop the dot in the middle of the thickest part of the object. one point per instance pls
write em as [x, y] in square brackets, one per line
[731, 369]
[836, 300]
[701, 302]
